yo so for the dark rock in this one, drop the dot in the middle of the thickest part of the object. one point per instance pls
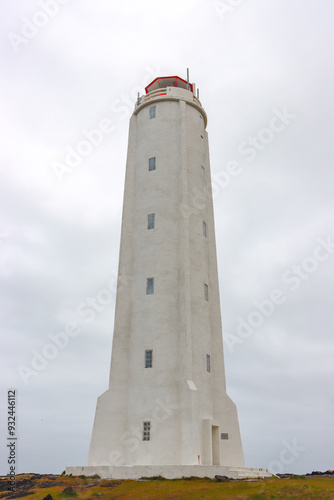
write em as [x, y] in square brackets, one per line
[4, 484]
[110, 485]
[25, 482]
[20, 494]
[69, 489]
[328, 473]
[48, 485]
[69, 492]
[221, 478]
[48, 497]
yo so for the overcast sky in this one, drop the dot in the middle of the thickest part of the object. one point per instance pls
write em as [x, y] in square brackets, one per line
[265, 73]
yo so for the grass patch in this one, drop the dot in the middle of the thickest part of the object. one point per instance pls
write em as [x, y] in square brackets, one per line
[69, 492]
[290, 488]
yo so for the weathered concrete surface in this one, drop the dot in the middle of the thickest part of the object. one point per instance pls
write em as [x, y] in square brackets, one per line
[167, 471]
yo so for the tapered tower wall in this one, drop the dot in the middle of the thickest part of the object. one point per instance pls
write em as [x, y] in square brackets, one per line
[181, 395]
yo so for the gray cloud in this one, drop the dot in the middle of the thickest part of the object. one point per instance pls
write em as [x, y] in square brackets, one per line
[62, 237]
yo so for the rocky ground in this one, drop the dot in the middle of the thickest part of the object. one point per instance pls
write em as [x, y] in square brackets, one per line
[327, 473]
[316, 485]
[27, 484]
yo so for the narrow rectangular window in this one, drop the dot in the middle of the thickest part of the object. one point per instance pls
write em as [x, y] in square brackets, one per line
[150, 286]
[204, 228]
[146, 431]
[201, 121]
[208, 363]
[152, 112]
[151, 163]
[206, 292]
[148, 359]
[150, 221]
[203, 173]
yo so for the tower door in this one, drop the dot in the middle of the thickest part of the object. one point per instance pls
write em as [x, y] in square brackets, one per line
[215, 445]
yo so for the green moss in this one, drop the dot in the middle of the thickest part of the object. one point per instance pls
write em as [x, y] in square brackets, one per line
[69, 494]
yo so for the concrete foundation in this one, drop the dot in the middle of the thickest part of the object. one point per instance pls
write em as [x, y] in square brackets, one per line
[167, 471]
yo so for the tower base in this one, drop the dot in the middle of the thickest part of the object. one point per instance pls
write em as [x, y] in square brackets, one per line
[166, 471]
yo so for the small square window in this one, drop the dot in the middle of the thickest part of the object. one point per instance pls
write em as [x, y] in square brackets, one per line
[148, 359]
[150, 221]
[203, 173]
[152, 112]
[151, 163]
[206, 292]
[150, 286]
[146, 431]
[204, 228]
[223, 435]
[208, 363]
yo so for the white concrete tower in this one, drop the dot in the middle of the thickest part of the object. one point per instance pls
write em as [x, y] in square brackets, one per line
[166, 404]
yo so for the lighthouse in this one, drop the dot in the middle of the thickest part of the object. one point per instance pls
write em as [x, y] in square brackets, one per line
[166, 411]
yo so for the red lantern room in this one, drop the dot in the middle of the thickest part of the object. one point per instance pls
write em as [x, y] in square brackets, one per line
[168, 81]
